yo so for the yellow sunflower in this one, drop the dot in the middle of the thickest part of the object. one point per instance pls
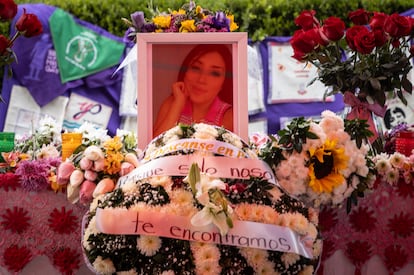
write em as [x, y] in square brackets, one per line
[326, 163]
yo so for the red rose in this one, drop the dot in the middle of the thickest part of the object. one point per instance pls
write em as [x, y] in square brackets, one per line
[380, 37]
[29, 25]
[378, 20]
[397, 26]
[364, 42]
[4, 43]
[307, 20]
[359, 17]
[333, 28]
[351, 33]
[304, 41]
[8, 9]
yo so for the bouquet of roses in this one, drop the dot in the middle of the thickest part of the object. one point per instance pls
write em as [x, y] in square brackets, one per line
[320, 162]
[97, 163]
[27, 25]
[368, 61]
[189, 18]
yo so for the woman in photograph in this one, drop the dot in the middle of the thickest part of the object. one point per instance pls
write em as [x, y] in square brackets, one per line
[203, 90]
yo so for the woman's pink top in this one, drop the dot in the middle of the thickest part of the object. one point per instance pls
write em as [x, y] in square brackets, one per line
[214, 116]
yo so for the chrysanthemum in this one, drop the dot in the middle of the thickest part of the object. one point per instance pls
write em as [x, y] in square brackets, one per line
[162, 21]
[104, 266]
[325, 166]
[148, 245]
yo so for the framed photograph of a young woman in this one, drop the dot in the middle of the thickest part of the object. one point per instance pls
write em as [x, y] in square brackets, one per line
[191, 78]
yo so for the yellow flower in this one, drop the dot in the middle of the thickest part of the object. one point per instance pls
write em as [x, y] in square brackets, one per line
[113, 144]
[325, 166]
[233, 25]
[162, 21]
[113, 163]
[188, 26]
[180, 11]
[199, 10]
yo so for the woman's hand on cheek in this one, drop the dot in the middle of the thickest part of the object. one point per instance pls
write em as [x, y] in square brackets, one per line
[179, 92]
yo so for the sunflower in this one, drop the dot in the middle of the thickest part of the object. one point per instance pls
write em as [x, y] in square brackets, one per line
[325, 165]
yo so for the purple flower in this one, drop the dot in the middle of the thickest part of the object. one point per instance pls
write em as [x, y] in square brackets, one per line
[148, 27]
[220, 21]
[138, 20]
[33, 175]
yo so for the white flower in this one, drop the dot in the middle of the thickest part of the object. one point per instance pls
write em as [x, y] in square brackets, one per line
[231, 138]
[148, 245]
[211, 214]
[92, 133]
[104, 266]
[398, 159]
[205, 131]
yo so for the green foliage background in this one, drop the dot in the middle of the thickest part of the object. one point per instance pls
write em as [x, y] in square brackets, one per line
[259, 18]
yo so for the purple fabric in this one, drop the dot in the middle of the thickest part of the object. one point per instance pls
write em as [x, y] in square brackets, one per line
[38, 72]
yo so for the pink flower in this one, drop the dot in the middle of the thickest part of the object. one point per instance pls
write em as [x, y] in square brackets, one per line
[126, 168]
[259, 139]
[93, 153]
[76, 178]
[99, 165]
[85, 163]
[64, 171]
[90, 175]
[86, 191]
[104, 186]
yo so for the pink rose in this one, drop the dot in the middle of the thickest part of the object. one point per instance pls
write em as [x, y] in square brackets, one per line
[86, 191]
[104, 186]
[93, 153]
[85, 163]
[90, 175]
[126, 168]
[98, 165]
[64, 171]
[76, 178]
[333, 28]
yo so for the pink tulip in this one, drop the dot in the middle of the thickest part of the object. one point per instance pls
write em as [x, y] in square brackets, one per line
[93, 153]
[90, 175]
[126, 168]
[76, 178]
[132, 158]
[86, 191]
[104, 186]
[98, 165]
[64, 171]
[85, 163]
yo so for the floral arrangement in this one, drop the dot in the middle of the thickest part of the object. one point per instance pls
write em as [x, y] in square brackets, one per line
[394, 168]
[33, 162]
[369, 60]
[97, 163]
[189, 18]
[218, 202]
[28, 25]
[321, 162]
